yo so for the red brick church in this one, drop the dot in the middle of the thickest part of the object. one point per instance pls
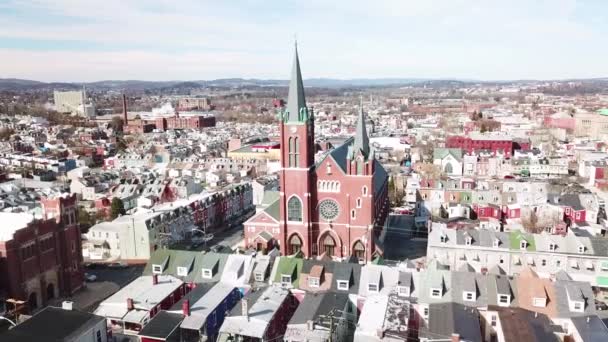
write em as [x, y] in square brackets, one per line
[335, 206]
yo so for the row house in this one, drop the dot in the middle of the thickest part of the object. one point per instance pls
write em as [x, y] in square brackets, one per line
[583, 258]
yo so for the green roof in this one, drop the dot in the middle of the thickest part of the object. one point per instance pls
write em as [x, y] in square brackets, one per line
[603, 111]
[289, 266]
[270, 196]
[516, 238]
[602, 281]
[193, 260]
[440, 153]
[274, 210]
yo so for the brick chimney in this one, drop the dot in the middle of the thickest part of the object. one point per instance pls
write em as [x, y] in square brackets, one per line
[186, 307]
[154, 279]
[455, 337]
[130, 305]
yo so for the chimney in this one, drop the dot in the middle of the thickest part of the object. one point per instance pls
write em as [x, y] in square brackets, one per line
[124, 109]
[67, 305]
[245, 308]
[380, 333]
[186, 307]
[310, 325]
[154, 279]
[130, 305]
[455, 337]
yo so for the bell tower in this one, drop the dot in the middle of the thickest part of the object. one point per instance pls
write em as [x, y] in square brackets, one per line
[296, 122]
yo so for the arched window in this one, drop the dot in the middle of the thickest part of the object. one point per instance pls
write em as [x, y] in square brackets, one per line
[329, 245]
[358, 202]
[448, 168]
[295, 244]
[297, 153]
[353, 214]
[359, 250]
[294, 209]
[364, 191]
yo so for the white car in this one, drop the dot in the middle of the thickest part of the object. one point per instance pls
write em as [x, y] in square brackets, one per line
[90, 277]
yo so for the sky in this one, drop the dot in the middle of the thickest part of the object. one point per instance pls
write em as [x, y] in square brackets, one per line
[91, 40]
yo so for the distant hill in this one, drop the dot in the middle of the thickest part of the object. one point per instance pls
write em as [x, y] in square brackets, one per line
[137, 85]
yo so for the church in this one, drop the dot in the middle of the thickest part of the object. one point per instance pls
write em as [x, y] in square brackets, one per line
[334, 207]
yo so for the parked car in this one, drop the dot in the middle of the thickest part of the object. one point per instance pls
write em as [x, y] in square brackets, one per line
[118, 265]
[90, 277]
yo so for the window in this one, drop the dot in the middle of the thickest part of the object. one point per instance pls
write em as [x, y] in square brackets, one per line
[436, 293]
[328, 169]
[425, 312]
[444, 239]
[157, 269]
[493, 320]
[294, 209]
[259, 276]
[543, 262]
[581, 249]
[523, 244]
[539, 302]
[207, 273]
[503, 300]
[578, 307]
[496, 243]
[372, 287]
[558, 263]
[403, 290]
[98, 336]
[364, 191]
[285, 280]
[468, 240]
[358, 202]
[73, 246]
[182, 271]
[343, 285]
[295, 244]
[353, 214]
[329, 245]
[468, 296]
[313, 281]
[552, 247]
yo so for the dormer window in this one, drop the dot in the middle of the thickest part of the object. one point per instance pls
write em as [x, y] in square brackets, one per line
[259, 276]
[578, 306]
[443, 238]
[468, 296]
[504, 300]
[343, 285]
[207, 273]
[496, 243]
[539, 302]
[157, 269]
[552, 247]
[372, 287]
[182, 271]
[403, 291]
[523, 244]
[285, 280]
[468, 240]
[436, 293]
[581, 249]
[313, 281]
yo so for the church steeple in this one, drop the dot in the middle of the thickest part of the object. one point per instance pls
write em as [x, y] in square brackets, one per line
[296, 101]
[361, 143]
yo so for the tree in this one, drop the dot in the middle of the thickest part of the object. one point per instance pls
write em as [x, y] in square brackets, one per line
[530, 223]
[85, 219]
[410, 125]
[117, 123]
[117, 208]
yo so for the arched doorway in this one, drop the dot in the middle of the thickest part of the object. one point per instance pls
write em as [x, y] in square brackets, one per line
[329, 245]
[50, 291]
[32, 301]
[359, 250]
[294, 244]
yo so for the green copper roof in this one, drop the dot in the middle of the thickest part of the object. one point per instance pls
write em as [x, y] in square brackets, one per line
[603, 111]
[516, 237]
[289, 266]
[296, 101]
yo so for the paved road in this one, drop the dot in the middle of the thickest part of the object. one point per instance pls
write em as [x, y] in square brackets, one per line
[118, 276]
[399, 242]
[228, 238]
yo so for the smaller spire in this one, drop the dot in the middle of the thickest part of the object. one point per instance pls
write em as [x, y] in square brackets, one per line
[361, 143]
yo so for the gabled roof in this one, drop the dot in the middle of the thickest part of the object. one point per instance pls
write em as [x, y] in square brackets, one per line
[448, 318]
[440, 153]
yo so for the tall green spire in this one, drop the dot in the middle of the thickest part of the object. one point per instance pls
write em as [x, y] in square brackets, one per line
[296, 101]
[361, 143]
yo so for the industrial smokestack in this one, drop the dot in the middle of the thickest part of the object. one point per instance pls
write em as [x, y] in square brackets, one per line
[124, 109]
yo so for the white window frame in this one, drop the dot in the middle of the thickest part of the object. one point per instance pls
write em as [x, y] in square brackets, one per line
[581, 249]
[523, 244]
[342, 285]
[182, 271]
[504, 300]
[468, 240]
[314, 281]
[285, 280]
[403, 290]
[157, 269]
[443, 238]
[539, 302]
[496, 243]
[436, 293]
[259, 276]
[468, 296]
[581, 306]
[207, 273]
[373, 287]
[552, 247]
[493, 320]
